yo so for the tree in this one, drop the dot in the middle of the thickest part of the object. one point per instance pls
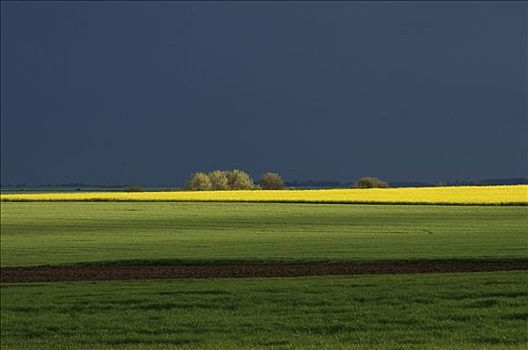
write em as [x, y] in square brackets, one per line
[371, 182]
[199, 182]
[271, 181]
[239, 180]
[219, 180]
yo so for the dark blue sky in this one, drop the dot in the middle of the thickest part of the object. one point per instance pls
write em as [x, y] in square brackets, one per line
[400, 90]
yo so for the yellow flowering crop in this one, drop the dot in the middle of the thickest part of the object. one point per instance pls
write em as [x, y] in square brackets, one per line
[512, 195]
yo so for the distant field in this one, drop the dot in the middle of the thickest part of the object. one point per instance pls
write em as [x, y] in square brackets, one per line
[481, 195]
[118, 232]
[442, 311]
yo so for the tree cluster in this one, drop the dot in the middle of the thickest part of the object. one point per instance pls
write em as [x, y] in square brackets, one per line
[223, 180]
[220, 180]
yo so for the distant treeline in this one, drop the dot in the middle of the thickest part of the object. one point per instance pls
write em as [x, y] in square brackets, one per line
[337, 184]
[311, 183]
[67, 185]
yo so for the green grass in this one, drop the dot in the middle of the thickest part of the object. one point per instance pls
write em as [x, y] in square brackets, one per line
[68, 233]
[438, 311]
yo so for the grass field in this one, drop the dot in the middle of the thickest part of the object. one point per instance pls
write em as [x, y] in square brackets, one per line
[65, 233]
[442, 311]
[436, 311]
[461, 195]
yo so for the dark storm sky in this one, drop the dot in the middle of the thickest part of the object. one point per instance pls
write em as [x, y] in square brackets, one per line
[403, 91]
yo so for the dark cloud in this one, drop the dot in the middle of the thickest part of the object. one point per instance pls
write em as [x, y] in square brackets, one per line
[421, 91]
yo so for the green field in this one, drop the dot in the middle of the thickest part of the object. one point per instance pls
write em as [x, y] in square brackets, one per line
[440, 311]
[66, 233]
[435, 311]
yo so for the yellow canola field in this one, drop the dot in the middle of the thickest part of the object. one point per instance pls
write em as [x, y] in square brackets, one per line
[487, 195]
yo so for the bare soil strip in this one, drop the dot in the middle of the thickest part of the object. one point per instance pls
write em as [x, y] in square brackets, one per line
[100, 273]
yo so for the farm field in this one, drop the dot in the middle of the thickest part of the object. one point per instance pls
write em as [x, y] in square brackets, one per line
[418, 311]
[255, 175]
[461, 195]
[436, 311]
[148, 233]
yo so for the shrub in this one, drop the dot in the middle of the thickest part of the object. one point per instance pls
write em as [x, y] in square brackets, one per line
[199, 182]
[371, 182]
[271, 181]
[239, 180]
[219, 180]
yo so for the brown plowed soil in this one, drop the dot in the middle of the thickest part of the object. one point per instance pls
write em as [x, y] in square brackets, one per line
[98, 273]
